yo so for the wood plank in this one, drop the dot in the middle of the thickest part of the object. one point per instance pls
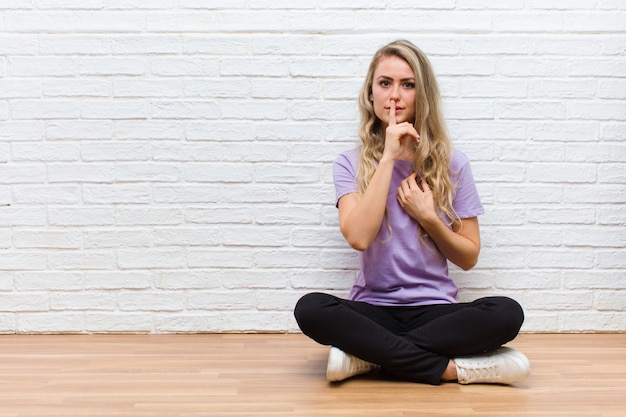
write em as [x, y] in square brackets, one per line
[280, 375]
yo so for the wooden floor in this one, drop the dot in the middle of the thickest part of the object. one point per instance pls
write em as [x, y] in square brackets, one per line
[284, 375]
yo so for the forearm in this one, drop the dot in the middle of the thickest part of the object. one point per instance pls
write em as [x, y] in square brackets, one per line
[360, 217]
[460, 246]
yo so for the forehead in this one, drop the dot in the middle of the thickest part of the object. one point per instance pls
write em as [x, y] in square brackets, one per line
[393, 67]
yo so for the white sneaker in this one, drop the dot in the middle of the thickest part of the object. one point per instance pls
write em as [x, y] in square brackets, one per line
[502, 366]
[342, 365]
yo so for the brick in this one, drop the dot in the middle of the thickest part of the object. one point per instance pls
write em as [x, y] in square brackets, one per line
[40, 239]
[114, 109]
[92, 301]
[287, 215]
[46, 152]
[187, 237]
[151, 301]
[181, 66]
[218, 257]
[81, 260]
[600, 321]
[19, 89]
[152, 258]
[50, 322]
[149, 130]
[44, 109]
[140, 216]
[116, 322]
[595, 22]
[114, 280]
[176, 109]
[220, 215]
[235, 279]
[188, 322]
[18, 44]
[75, 44]
[78, 216]
[147, 88]
[254, 321]
[118, 238]
[112, 66]
[116, 194]
[77, 88]
[561, 173]
[80, 173]
[538, 110]
[256, 235]
[190, 279]
[145, 44]
[49, 66]
[611, 301]
[78, 129]
[219, 173]
[115, 151]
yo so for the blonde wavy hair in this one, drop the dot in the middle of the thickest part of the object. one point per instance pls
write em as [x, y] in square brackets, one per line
[434, 151]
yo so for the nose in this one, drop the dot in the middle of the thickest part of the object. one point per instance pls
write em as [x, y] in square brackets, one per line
[395, 94]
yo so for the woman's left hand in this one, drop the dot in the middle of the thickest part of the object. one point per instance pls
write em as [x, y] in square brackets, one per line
[460, 243]
[417, 200]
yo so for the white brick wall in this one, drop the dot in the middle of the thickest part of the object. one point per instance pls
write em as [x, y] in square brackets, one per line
[165, 165]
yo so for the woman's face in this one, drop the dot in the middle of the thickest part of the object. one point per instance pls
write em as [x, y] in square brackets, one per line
[394, 80]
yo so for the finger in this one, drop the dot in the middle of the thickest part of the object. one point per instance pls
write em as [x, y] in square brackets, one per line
[412, 180]
[392, 113]
[400, 194]
[413, 133]
[402, 187]
[407, 129]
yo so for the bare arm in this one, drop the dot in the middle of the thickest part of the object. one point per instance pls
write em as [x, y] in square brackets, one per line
[461, 244]
[360, 216]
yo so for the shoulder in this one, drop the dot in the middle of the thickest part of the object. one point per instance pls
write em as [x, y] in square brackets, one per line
[351, 156]
[458, 160]
[347, 160]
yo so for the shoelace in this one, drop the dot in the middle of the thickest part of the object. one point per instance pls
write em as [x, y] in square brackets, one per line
[486, 369]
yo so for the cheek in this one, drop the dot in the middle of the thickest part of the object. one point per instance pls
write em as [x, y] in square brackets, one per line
[380, 112]
[378, 103]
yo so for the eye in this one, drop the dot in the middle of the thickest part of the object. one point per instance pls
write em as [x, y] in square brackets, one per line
[384, 83]
[409, 85]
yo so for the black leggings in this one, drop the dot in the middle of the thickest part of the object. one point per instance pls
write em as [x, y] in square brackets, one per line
[410, 343]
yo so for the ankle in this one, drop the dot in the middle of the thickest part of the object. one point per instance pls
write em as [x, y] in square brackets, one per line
[450, 373]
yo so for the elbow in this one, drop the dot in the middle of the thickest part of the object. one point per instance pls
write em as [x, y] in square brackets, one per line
[359, 245]
[467, 266]
[468, 263]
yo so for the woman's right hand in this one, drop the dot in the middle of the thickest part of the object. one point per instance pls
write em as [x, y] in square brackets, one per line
[360, 216]
[397, 136]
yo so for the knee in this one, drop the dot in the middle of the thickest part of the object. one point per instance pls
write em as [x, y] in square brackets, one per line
[307, 310]
[511, 312]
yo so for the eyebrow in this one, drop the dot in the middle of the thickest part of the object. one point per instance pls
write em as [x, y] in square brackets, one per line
[386, 77]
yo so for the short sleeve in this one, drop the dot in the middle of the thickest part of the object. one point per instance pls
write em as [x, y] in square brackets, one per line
[466, 201]
[344, 174]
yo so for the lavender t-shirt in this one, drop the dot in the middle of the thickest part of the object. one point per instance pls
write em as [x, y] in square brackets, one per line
[398, 268]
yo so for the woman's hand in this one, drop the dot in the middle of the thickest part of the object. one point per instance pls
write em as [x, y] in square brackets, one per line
[460, 243]
[397, 135]
[417, 199]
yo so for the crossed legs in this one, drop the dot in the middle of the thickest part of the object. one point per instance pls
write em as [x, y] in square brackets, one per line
[410, 343]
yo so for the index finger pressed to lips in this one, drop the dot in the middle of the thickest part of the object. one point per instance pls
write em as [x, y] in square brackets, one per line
[392, 112]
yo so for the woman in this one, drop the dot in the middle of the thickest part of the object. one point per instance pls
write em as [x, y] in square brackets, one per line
[407, 201]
